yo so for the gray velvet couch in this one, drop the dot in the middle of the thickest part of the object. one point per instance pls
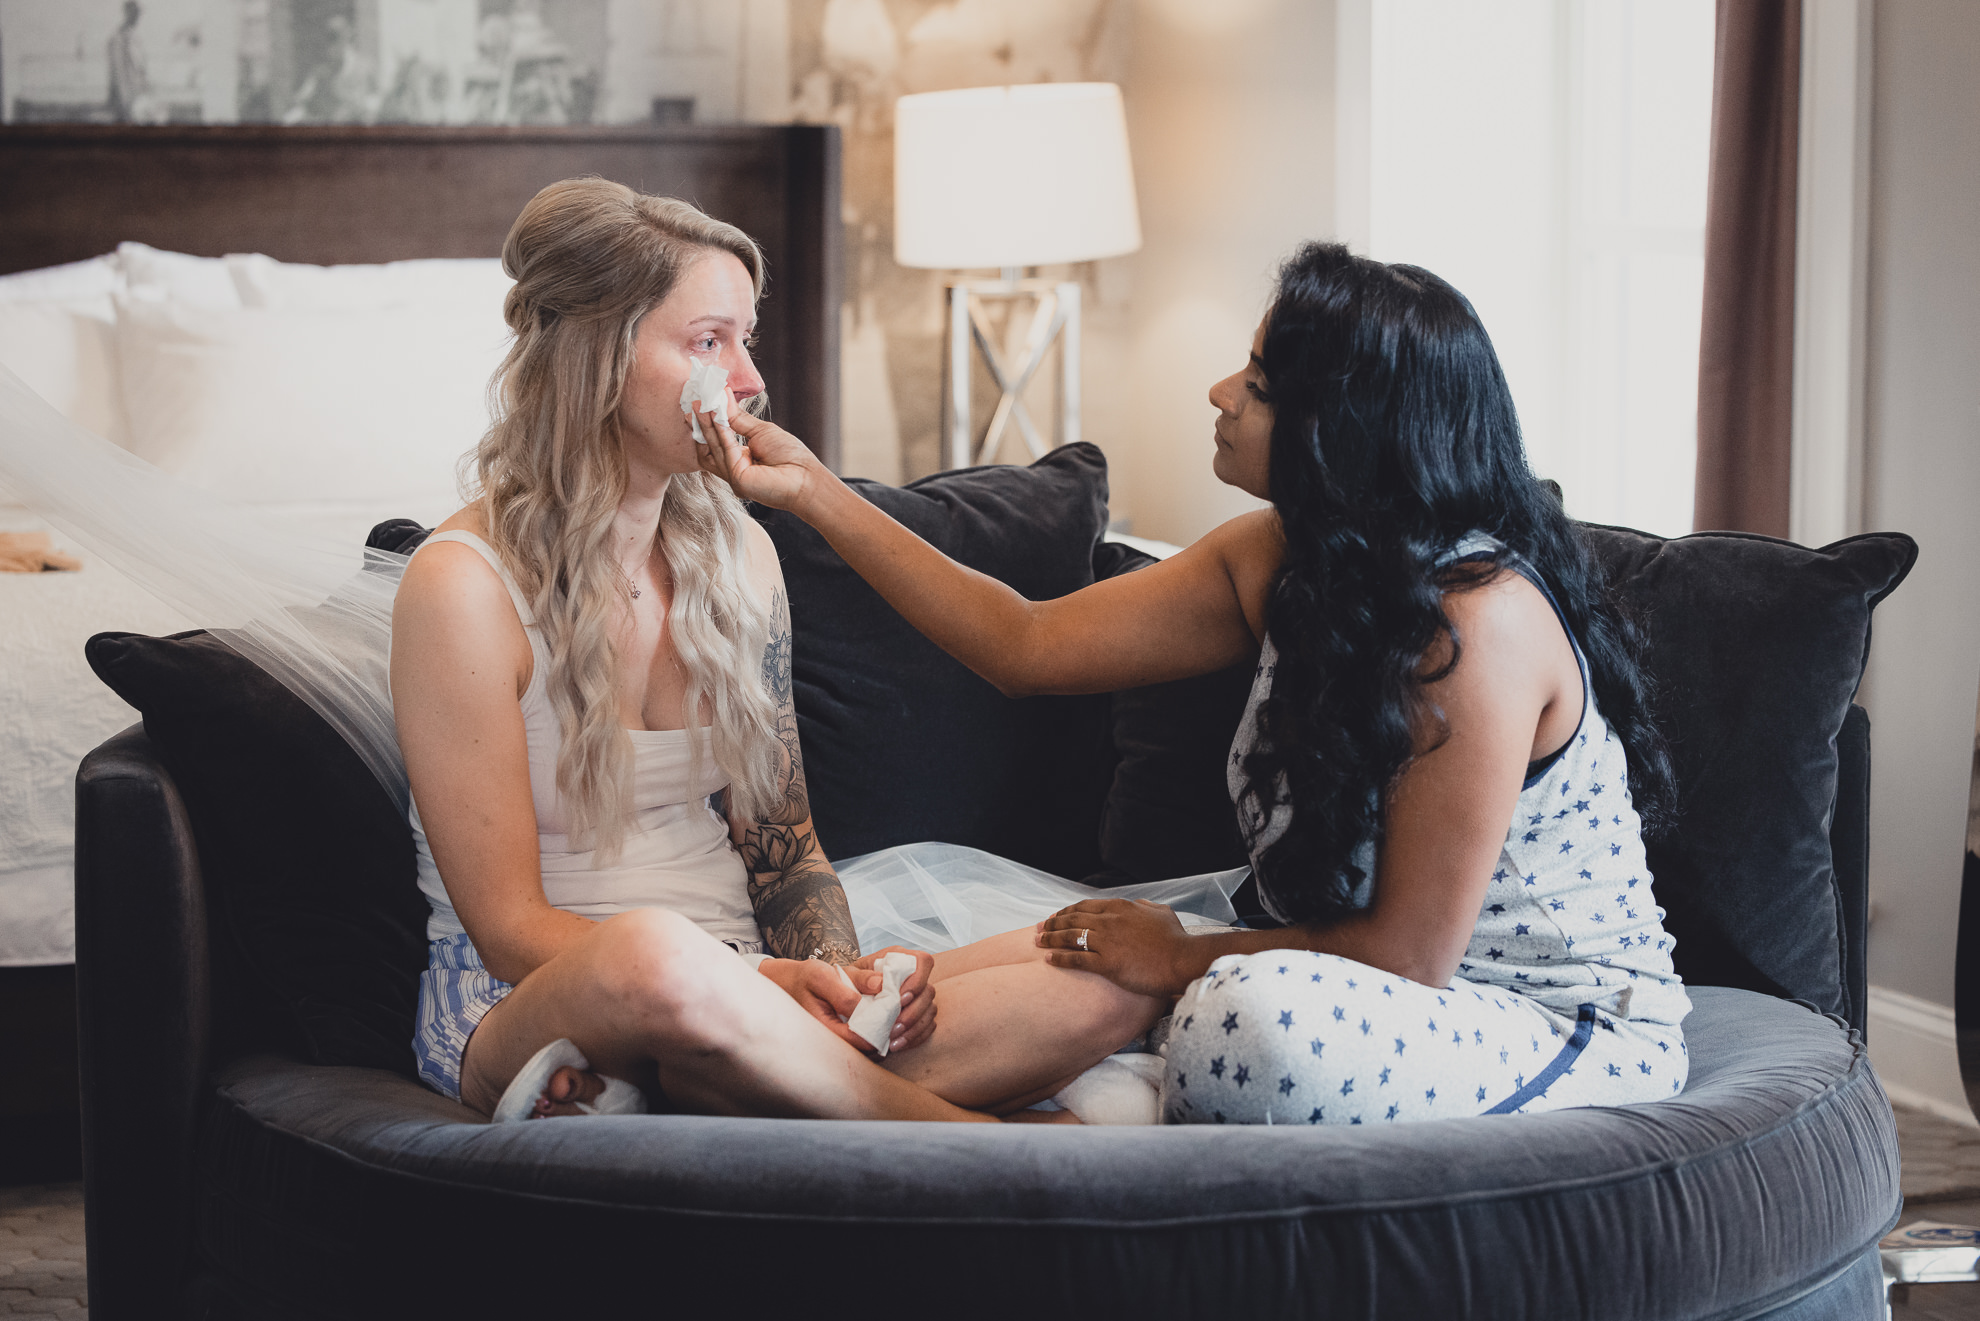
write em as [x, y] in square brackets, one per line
[255, 1146]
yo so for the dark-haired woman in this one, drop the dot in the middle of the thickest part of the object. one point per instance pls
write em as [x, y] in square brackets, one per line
[1446, 752]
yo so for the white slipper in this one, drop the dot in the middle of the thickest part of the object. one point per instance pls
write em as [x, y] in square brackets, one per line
[519, 1099]
[1121, 1089]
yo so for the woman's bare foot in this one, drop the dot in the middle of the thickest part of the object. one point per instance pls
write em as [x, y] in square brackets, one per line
[567, 1087]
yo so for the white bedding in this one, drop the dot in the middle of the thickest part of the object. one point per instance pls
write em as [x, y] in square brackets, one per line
[53, 710]
[332, 397]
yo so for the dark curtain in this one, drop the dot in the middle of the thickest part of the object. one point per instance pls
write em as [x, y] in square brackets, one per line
[1746, 348]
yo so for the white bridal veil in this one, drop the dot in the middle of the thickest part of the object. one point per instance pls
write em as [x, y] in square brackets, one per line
[313, 612]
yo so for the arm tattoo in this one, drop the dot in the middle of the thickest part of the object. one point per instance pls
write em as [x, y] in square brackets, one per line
[796, 804]
[799, 904]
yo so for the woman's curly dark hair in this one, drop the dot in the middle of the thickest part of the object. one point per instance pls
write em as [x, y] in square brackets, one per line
[1393, 437]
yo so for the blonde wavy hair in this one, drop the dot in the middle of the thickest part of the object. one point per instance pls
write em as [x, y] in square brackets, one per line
[590, 258]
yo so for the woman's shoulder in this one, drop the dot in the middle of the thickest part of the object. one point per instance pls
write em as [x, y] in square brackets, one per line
[453, 582]
[469, 518]
[1498, 599]
[1509, 635]
[761, 565]
[453, 610]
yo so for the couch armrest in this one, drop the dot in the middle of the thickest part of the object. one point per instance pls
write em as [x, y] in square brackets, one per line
[1849, 847]
[143, 1009]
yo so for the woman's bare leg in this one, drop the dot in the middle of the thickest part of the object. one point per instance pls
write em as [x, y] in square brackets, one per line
[1013, 1030]
[649, 990]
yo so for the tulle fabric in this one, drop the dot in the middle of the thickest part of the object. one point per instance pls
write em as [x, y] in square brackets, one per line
[314, 612]
[941, 896]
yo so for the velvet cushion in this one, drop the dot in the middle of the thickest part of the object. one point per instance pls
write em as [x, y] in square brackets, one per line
[306, 858]
[1755, 648]
[1168, 808]
[901, 742]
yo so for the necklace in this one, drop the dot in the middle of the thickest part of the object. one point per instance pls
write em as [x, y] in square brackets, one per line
[635, 593]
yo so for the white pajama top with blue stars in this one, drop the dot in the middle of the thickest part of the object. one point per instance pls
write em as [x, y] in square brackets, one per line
[1565, 996]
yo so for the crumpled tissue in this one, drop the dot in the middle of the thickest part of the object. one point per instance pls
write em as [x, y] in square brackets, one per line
[704, 391]
[877, 1013]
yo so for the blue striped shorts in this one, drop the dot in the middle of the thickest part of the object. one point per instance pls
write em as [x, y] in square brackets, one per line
[455, 994]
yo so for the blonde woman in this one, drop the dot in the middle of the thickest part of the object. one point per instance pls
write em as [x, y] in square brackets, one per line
[592, 687]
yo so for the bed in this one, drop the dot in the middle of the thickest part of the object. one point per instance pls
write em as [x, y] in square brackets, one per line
[172, 288]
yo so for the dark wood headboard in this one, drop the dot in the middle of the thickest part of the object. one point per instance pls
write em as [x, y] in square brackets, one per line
[336, 194]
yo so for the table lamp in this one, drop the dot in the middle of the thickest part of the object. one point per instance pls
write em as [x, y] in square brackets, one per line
[1009, 177]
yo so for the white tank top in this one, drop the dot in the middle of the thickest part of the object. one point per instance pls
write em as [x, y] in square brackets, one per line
[678, 855]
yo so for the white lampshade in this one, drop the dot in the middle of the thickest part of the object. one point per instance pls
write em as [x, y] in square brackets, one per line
[1012, 176]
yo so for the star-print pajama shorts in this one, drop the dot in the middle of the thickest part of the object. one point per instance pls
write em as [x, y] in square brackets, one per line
[1295, 1037]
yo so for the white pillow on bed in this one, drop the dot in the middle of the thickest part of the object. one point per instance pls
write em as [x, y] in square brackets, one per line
[57, 329]
[66, 351]
[99, 277]
[176, 277]
[360, 415]
[467, 283]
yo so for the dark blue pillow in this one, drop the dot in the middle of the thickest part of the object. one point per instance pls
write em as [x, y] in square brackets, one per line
[1168, 809]
[306, 859]
[1755, 647]
[901, 742]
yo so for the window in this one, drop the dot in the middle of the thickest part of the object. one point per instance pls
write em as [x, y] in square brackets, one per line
[1548, 157]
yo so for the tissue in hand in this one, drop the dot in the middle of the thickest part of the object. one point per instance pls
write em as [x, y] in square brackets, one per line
[703, 392]
[874, 1019]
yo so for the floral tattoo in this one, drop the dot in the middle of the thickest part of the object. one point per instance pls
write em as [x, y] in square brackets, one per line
[799, 904]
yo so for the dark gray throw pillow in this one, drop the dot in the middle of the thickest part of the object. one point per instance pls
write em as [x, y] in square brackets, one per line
[901, 742]
[1755, 647]
[307, 861]
[1168, 809]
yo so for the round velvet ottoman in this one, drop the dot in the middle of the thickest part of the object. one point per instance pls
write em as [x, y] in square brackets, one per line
[1761, 1191]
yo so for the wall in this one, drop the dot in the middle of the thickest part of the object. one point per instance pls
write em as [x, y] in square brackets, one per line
[1923, 477]
[849, 60]
[1231, 117]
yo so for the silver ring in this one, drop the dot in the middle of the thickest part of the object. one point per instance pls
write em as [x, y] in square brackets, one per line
[1081, 942]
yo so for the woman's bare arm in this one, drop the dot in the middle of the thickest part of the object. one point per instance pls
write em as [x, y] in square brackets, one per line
[1199, 610]
[1515, 694]
[800, 905]
[460, 662]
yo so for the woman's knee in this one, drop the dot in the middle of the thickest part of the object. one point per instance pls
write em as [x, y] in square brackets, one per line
[666, 974]
[1105, 1012]
[1280, 1004]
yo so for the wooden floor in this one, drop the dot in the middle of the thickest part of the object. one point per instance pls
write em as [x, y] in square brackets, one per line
[41, 1251]
[1941, 1182]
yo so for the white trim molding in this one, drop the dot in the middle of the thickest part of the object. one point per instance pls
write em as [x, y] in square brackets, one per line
[1915, 1050]
[1831, 272]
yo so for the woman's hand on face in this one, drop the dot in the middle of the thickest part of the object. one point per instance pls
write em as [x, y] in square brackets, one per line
[816, 986]
[1131, 942]
[759, 460]
[917, 1021]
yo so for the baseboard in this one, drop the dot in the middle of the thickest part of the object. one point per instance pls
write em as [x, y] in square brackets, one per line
[1914, 1047]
